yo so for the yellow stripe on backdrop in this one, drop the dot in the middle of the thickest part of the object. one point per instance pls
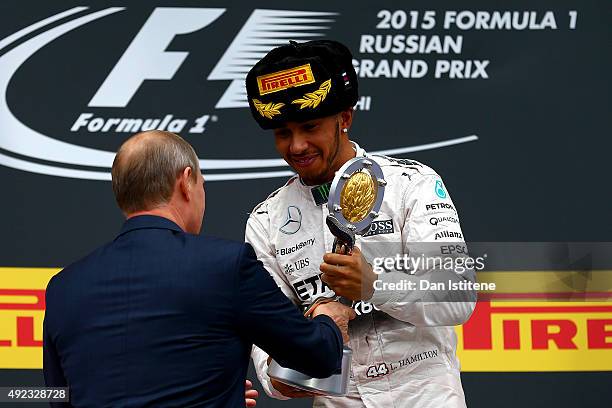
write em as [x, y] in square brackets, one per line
[507, 335]
[21, 315]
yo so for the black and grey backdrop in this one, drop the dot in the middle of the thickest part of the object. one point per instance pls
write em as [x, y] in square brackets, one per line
[510, 103]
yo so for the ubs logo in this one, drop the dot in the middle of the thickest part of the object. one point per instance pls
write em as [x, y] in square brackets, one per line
[293, 222]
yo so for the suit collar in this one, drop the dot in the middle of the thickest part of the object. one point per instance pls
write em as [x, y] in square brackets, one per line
[148, 222]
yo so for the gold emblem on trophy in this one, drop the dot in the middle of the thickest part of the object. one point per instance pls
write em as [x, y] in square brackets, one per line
[355, 198]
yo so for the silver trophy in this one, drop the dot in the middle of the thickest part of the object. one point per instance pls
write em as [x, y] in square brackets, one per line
[355, 197]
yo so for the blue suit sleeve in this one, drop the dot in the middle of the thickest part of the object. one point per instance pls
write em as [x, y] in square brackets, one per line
[52, 370]
[269, 320]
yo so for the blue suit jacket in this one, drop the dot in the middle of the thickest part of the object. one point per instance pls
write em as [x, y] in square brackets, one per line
[162, 318]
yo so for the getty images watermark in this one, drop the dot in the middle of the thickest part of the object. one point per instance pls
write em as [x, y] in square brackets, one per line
[427, 269]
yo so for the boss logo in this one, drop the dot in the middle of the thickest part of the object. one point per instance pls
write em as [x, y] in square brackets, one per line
[380, 227]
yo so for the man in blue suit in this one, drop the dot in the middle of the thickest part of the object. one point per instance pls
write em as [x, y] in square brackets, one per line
[164, 317]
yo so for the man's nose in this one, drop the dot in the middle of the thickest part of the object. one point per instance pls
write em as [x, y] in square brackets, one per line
[299, 144]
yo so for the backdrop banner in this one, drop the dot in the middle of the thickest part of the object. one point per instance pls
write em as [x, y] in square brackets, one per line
[510, 105]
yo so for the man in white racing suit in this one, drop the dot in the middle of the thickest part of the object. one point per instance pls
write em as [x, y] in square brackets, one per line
[403, 342]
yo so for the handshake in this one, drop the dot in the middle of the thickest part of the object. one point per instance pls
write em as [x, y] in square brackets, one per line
[339, 313]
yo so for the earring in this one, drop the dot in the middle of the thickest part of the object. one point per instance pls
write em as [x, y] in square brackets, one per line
[345, 130]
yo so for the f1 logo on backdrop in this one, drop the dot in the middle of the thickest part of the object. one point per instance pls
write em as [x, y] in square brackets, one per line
[146, 59]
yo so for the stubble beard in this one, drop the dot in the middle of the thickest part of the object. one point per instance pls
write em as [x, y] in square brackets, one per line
[328, 173]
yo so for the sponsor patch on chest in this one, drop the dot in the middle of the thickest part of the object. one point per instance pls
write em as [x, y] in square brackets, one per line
[380, 227]
[311, 288]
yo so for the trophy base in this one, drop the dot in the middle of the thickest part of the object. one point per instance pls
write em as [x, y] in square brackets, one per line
[334, 385]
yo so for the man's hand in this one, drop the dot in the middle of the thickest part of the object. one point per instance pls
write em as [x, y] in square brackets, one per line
[350, 276]
[249, 394]
[289, 391]
[340, 314]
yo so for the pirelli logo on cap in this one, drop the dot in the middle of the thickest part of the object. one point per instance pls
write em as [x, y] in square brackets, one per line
[282, 80]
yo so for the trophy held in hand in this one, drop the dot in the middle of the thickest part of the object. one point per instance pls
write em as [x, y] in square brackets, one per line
[355, 197]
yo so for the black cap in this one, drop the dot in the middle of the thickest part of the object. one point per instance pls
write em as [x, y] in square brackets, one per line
[300, 82]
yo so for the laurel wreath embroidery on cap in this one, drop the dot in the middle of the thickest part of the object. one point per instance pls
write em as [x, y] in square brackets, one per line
[268, 110]
[313, 99]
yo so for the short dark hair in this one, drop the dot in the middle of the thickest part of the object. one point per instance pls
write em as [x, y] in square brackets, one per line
[146, 167]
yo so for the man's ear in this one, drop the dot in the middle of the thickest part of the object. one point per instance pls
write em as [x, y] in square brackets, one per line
[346, 118]
[185, 183]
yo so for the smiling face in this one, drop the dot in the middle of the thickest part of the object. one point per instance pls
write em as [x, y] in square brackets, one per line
[315, 149]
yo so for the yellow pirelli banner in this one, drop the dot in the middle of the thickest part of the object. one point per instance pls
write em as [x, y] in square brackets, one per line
[537, 336]
[521, 327]
[22, 309]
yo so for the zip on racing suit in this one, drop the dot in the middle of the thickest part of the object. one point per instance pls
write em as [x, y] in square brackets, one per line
[403, 344]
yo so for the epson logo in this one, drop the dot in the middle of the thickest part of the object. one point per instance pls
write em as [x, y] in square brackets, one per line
[380, 227]
[453, 249]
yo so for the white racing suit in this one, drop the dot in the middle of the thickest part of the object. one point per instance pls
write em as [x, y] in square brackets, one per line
[403, 343]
